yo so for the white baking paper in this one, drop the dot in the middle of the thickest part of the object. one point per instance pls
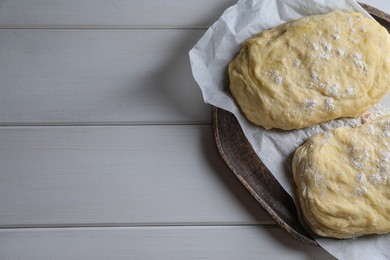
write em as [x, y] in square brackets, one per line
[209, 59]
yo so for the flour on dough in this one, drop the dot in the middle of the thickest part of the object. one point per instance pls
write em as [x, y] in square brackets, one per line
[343, 180]
[312, 70]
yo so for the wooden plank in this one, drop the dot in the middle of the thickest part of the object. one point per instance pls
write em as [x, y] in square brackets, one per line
[246, 242]
[136, 175]
[118, 13]
[98, 77]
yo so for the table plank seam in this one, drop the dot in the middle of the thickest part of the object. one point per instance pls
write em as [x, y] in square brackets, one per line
[135, 225]
[102, 124]
[99, 27]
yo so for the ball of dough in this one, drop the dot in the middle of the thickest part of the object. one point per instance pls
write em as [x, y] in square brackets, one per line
[343, 180]
[312, 70]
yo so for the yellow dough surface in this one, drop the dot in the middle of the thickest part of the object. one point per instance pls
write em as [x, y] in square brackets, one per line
[312, 70]
[343, 180]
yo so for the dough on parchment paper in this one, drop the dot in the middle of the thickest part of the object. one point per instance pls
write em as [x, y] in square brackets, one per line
[343, 180]
[312, 70]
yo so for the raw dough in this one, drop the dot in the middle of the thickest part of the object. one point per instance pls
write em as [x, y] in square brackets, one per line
[343, 180]
[312, 70]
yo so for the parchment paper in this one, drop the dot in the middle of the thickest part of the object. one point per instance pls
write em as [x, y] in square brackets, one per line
[209, 59]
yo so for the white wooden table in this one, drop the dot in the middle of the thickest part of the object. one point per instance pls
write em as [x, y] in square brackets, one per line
[106, 147]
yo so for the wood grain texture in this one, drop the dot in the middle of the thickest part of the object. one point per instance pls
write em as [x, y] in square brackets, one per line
[256, 178]
[119, 13]
[242, 160]
[140, 175]
[247, 242]
[113, 13]
[99, 77]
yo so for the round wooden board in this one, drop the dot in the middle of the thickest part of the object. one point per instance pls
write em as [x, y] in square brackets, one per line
[257, 179]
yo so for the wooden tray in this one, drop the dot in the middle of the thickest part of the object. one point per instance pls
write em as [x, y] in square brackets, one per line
[243, 161]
